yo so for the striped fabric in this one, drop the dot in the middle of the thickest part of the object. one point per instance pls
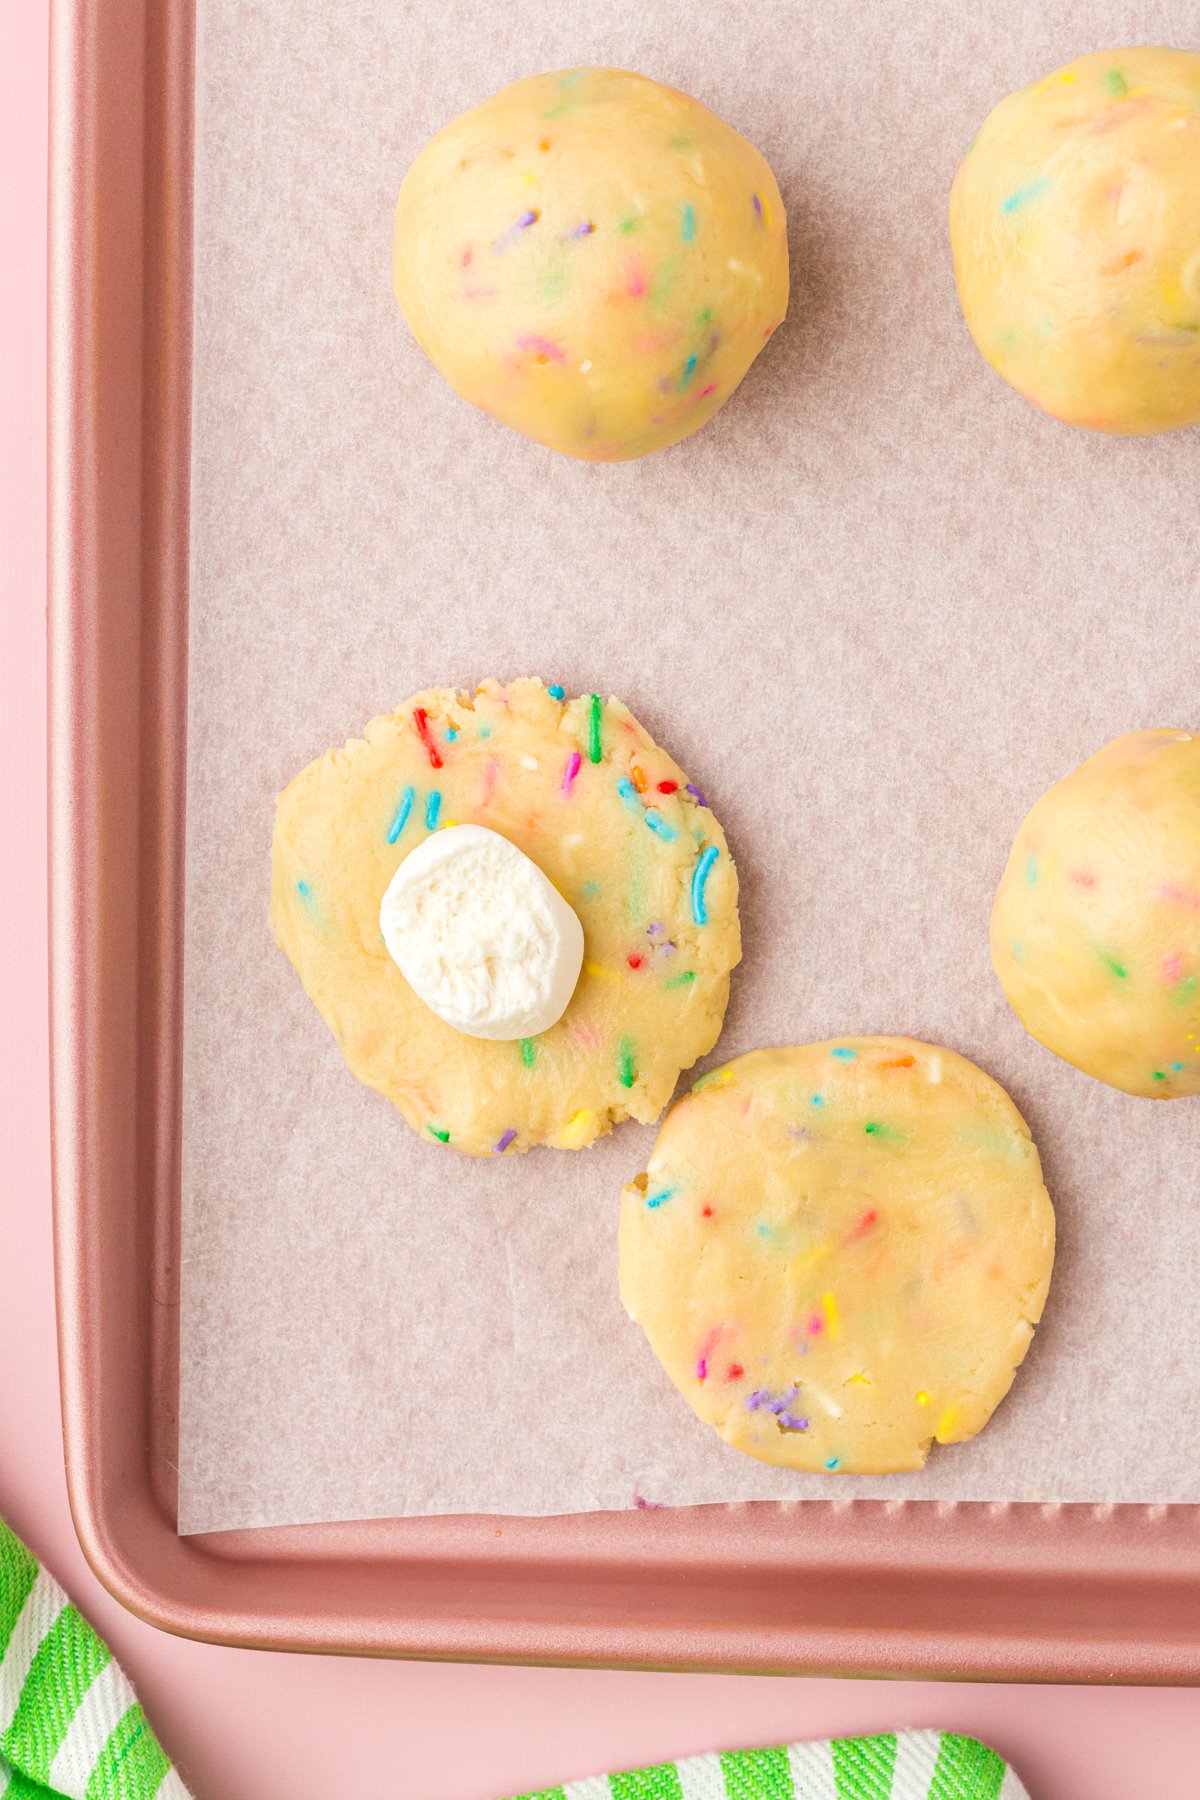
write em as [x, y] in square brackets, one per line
[70, 1725]
[914, 1765]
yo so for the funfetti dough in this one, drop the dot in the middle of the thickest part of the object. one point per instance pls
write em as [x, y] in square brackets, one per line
[839, 1253]
[1075, 226]
[1096, 927]
[592, 258]
[629, 845]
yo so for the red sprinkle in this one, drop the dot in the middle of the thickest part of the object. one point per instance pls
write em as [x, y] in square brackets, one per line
[421, 721]
[734, 1372]
[706, 1212]
[668, 787]
[466, 259]
[634, 960]
[867, 1223]
[1081, 878]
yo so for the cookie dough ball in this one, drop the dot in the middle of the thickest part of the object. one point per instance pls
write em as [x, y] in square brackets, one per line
[614, 824]
[839, 1253]
[1096, 926]
[1075, 225]
[593, 259]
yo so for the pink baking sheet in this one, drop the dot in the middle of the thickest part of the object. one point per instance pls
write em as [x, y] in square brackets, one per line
[874, 609]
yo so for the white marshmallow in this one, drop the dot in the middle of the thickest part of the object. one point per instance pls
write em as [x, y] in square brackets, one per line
[480, 934]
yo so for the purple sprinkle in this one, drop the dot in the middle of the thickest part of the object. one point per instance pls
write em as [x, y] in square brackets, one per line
[789, 1422]
[527, 218]
[584, 230]
[653, 930]
[667, 949]
[759, 1398]
[757, 205]
[696, 791]
[505, 1141]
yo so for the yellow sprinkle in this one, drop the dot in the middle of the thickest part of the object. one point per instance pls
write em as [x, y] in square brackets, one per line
[576, 1131]
[446, 824]
[831, 1314]
[922, 1398]
[863, 1382]
[766, 210]
[946, 1422]
[800, 1265]
[1069, 75]
[600, 972]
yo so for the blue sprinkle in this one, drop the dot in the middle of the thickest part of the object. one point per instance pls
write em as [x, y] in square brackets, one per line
[401, 819]
[485, 731]
[590, 890]
[689, 369]
[844, 1054]
[662, 826]
[700, 877]
[1177, 1067]
[818, 1099]
[688, 230]
[627, 791]
[833, 1462]
[1033, 191]
[764, 1231]
[555, 692]
[433, 807]
[305, 892]
[451, 734]
[659, 1199]
[1031, 870]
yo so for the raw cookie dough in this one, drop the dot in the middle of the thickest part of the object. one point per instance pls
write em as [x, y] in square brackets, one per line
[593, 259]
[839, 1253]
[1096, 926]
[607, 816]
[1075, 225]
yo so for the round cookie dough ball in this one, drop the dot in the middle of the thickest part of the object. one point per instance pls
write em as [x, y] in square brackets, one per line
[1096, 926]
[1075, 225]
[593, 259]
[614, 824]
[839, 1253]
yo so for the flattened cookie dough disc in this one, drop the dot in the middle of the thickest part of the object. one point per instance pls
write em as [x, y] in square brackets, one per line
[1096, 926]
[614, 824]
[592, 258]
[1075, 227]
[839, 1253]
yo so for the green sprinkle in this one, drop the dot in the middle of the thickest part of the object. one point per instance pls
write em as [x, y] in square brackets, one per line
[552, 282]
[704, 316]
[664, 281]
[684, 978]
[528, 1052]
[626, 1069]
[627, 227]
[1116, 83]
[443, 1137]
[678, 143]
[874, 1128]
[1110, 962]
[1159, 1076]
[1185, 990]
[595, 707]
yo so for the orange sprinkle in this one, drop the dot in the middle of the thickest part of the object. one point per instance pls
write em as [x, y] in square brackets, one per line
[637, 776]
[1120, 263]
[899, 1062]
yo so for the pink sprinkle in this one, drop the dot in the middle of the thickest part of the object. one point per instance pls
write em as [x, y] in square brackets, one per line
[491, 776]
[816, 1325]
[571, 771]
[466, 259]
[480, 293]
[1172, 966]
[1081, 878]
[710, 389]
[644, 1505]
[637, 279]
[1186, 896]
[706, 1349]
[543, 347]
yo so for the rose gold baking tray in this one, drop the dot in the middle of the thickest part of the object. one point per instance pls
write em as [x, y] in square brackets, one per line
[1020, 1591]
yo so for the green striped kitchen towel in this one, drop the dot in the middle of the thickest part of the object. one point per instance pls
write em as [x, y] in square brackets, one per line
[913, 1765]
[70, 1726]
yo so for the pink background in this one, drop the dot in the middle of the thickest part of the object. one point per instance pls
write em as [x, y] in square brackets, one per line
[246, 1726]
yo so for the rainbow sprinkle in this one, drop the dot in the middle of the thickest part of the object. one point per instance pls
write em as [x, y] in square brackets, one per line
[660, 826]
[689, 369]
[684, 978]
[696, 795]
[626, 1067]
[574, 763]
[843, 1053]
[522, 224]
[528, 1052]
[660, 1198]
[595, 708]
[700, 877]
[401, 816]
[583, 230]
[443, 1137]
[504, 1142]
[433, 807]
[555, 692]
[421, 721]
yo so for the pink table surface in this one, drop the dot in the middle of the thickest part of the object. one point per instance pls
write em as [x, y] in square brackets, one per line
[249, 1726]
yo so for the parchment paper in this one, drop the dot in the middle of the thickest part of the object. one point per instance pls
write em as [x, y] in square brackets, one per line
[875, 608]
